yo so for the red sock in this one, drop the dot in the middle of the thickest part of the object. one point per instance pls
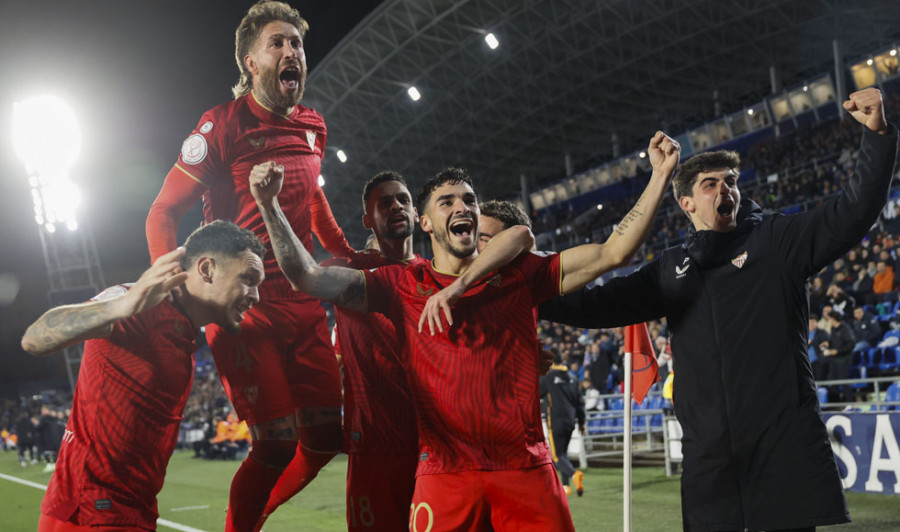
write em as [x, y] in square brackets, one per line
[253, 482]
[306, 462]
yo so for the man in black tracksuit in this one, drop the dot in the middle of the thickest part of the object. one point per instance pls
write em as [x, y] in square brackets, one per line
[565, 407]
[756, 452]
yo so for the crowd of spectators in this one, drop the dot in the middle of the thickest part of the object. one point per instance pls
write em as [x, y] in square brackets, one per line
[34, 426]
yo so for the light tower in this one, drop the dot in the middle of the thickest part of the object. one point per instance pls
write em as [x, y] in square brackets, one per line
[48, 141]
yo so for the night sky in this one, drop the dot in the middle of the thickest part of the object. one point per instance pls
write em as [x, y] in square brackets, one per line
[138, 74]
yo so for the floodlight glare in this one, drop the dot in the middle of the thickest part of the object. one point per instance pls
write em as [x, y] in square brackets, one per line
[642, 155]
[47, 139]
[321, 181]
[869, 62]
[805, 88]
[893, 53]
[414, 94]
[45, 134]
[750, 112]
[342, 156]
[491, 41]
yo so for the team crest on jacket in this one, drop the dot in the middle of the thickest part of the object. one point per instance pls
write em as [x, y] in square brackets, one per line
[311, 139]
[681, 271]
[206, 127]
[740, 260]
[424, 291]
[257, 143]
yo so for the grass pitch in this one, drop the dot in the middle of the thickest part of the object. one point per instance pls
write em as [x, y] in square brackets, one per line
[196, 493]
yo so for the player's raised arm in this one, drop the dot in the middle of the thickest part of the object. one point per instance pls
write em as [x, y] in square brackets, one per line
[67, 325]
[583, 264]
[503, 248]
[178, 194]
[342, 286]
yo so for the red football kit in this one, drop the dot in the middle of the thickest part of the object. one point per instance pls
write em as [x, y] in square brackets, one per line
[379, 419]
[131, 392]
[282, 359]
[475, 390]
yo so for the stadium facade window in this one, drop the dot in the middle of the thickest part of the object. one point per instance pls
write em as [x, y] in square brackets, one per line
[720, 132]
[603, 177]
[760, 118]
[739, 124]
[588, 181]
[629, 165]
[572, 187]
[800, 101]
[780, 108]
[863, 75]
[701, 139]
[821, 91]
[886, 65]
[537, 200]
[560, 192]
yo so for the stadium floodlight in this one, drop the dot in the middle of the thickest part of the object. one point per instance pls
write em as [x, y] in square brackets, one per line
[491, 41]
[342, 156]
[321, 181]
[642, 155]
[750, 112]
[47, 140]
[806, 88]
[894, 53]
[869, 62]
[414, 94]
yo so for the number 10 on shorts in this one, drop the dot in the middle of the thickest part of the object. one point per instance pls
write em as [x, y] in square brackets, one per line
[360, 511]
[421, 517]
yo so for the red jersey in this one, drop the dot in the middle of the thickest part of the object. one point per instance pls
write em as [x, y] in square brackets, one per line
[475, 386]
[131, 392]
[227, 143]
[378, 409]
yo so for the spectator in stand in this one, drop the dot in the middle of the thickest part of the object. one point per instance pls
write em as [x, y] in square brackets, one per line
[663, 357]
[884, 281]
[817, 297]
[837, 351]
[892, 225]
[817, 338]
[862, 289]
[598, 364]
[25, 437]
[866, 330]
[838, 299]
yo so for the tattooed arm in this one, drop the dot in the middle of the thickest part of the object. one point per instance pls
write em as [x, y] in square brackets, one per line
[583, 264]
[67, 325]
[342, 286]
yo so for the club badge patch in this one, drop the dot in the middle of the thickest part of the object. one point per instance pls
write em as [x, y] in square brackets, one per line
[311, 139]
[206, 127]
[740, 260]
[193, 151]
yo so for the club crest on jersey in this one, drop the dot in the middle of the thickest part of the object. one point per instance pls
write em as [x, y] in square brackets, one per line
[257, 143]
[424, 291]
[252, 394]
[740, 260]
[206, 127]
[311, 139]
[194, 149]
[495, 281]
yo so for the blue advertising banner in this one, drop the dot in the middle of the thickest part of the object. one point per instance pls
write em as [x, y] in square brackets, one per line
[866, 448]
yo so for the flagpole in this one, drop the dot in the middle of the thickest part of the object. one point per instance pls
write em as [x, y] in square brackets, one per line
[626, 460]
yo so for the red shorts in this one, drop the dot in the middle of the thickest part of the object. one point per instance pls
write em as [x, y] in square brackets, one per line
[519, 499]
[281, 361]
[379, 491]
[51, 524]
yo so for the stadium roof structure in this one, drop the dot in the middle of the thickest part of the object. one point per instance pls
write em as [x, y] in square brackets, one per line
[587, 79]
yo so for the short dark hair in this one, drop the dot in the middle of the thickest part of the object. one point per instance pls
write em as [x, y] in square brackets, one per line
[507, 212]
[220, 238]
[557, 357]
[260, 14]
[448, 176]
[683, 183]
[377, 179]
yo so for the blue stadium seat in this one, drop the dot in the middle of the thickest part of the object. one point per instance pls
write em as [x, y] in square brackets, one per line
[892, 395]
[823, 395]
[888, 359]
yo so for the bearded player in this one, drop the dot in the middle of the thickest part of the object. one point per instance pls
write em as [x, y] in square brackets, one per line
[380, 434]
[483, 462]
[136, 376]
[280, 372]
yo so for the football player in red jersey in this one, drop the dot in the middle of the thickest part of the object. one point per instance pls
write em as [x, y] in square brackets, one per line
[482, 457]
[380, 434]
[280, 372]
[136, 376]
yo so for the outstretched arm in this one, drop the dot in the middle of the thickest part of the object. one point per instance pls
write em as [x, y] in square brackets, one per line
[583, 264]
[341, 286]
[179, 193]
[67, 325]
[500, 251]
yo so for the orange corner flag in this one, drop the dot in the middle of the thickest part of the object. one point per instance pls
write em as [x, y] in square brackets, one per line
[644, 370]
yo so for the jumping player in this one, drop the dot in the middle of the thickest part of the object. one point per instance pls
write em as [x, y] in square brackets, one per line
[474, 383]
[280, 372]
[136, 376]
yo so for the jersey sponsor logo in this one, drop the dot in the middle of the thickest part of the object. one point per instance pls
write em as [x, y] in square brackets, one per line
[257, 143]
[356, 436]
[424, 291]
[206, 127]
[423, 457]
[102, 504]
[68, 436]
[681, 271]
[740, 260]
[194, 149]
[311, 139]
